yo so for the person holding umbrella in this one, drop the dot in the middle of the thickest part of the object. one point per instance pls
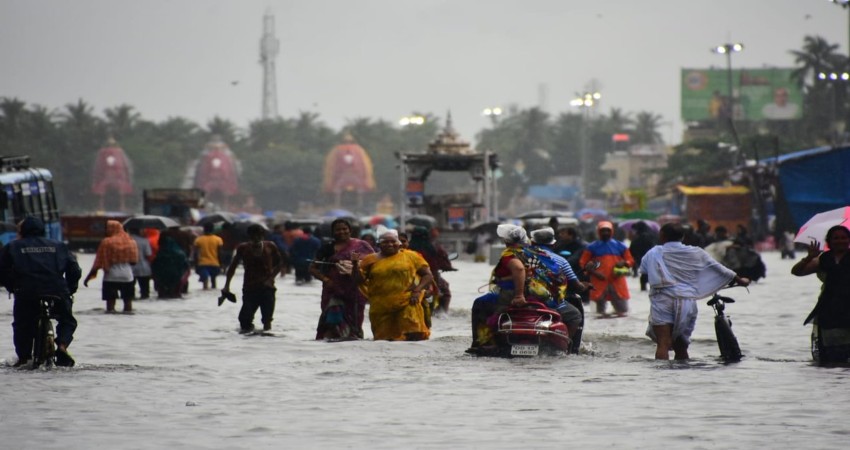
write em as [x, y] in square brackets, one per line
[831, 315]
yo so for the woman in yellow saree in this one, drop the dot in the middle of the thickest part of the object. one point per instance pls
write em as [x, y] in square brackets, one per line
[395, 282]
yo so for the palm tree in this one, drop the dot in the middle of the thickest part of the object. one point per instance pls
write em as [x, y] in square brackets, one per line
[620, 121]
[121, 120]
[646, 128]
[824, 99]
[224, 128]
[817, 56]
[79, 115]
[12, 113]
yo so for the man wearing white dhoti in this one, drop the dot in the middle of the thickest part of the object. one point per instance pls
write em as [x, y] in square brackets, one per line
[679, 275]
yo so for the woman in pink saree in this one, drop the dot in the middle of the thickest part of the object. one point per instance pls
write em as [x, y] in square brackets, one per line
[343, 304]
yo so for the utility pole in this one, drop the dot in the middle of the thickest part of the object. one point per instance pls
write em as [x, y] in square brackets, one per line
[269, 48]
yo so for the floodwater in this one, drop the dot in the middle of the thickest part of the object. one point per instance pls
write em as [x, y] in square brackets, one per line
[178, 375]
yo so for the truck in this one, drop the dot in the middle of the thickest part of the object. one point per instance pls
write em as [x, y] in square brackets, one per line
[85, 231]
[178, 204]
[729, 206]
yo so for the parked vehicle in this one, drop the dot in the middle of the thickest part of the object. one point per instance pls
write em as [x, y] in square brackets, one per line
[28, 191]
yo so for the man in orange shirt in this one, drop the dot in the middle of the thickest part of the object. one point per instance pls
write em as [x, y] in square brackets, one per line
[207, 263]
[607, 262]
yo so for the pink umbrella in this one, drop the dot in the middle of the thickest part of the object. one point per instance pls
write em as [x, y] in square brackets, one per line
[816, 227]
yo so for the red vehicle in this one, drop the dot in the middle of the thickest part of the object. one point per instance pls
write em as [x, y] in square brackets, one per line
[531, 330]
[85, 231]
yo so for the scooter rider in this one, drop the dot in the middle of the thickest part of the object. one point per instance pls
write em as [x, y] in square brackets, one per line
[542, 239]
[33, 266]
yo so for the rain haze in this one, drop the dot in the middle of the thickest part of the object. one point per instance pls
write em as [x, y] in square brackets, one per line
[386, 59]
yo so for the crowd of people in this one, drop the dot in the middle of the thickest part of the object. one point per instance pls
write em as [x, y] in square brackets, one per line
[400, 277]
[678, 264]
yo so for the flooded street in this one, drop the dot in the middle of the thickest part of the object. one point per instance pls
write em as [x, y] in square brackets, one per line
[178, 375]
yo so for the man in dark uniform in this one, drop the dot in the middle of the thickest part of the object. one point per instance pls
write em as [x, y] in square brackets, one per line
[33, 266]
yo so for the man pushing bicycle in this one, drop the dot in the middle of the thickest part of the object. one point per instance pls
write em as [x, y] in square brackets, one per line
[34, 266]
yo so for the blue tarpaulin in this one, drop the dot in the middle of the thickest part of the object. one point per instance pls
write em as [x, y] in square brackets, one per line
[814, 180]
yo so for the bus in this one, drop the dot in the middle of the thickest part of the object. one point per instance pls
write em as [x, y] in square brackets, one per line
[27, 191]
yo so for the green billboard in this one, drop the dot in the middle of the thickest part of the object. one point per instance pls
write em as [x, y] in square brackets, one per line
[760, 94]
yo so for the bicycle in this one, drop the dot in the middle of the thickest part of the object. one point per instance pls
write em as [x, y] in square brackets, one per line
[44, 341]
[730, 351]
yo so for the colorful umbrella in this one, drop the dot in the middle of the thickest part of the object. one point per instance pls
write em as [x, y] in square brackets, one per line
[339, 213]
[815, 228]
[383, 219]
[592, 213]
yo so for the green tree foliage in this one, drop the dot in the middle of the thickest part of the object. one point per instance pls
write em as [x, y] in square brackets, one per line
[825, 101]
[383, 141]
[698, 159]
[282, 176]
[646, 128]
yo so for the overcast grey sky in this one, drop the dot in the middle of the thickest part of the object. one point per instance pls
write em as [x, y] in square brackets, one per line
[386, 58]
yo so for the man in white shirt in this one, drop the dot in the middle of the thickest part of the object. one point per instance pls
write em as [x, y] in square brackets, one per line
[780, 109]
[679, 275]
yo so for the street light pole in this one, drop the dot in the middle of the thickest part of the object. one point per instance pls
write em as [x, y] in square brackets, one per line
[493, 113]
[836, 78]
[727, 50]
[586, 101]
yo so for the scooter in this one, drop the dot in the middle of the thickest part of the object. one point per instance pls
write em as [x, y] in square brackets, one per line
[530, 330]
[730, 351]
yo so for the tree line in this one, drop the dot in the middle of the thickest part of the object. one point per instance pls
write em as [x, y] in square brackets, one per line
[282, 158]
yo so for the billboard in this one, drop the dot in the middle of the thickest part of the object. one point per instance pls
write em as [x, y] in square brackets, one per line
[761, 94]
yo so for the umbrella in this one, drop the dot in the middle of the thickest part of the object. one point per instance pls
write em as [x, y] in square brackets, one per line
[543, 214]
[816, 227]
[485, 227]
[382, 219]
[627, 225]
[591, 213]
[668, 218]
[158, 222]
[421, 220]
[219, 217]
[339, 213]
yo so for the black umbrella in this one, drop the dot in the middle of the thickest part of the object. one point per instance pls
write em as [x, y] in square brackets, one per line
[158, 222]
[219, 217]
[485, 227]
[542, 214]
[422, 220]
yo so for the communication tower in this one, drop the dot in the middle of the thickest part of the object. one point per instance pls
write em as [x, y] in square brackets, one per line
[269, 47]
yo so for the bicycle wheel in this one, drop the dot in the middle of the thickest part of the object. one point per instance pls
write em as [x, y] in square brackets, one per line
[730, 351]
[43, 343]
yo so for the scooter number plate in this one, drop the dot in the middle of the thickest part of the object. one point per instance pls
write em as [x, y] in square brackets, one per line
[524, 350]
